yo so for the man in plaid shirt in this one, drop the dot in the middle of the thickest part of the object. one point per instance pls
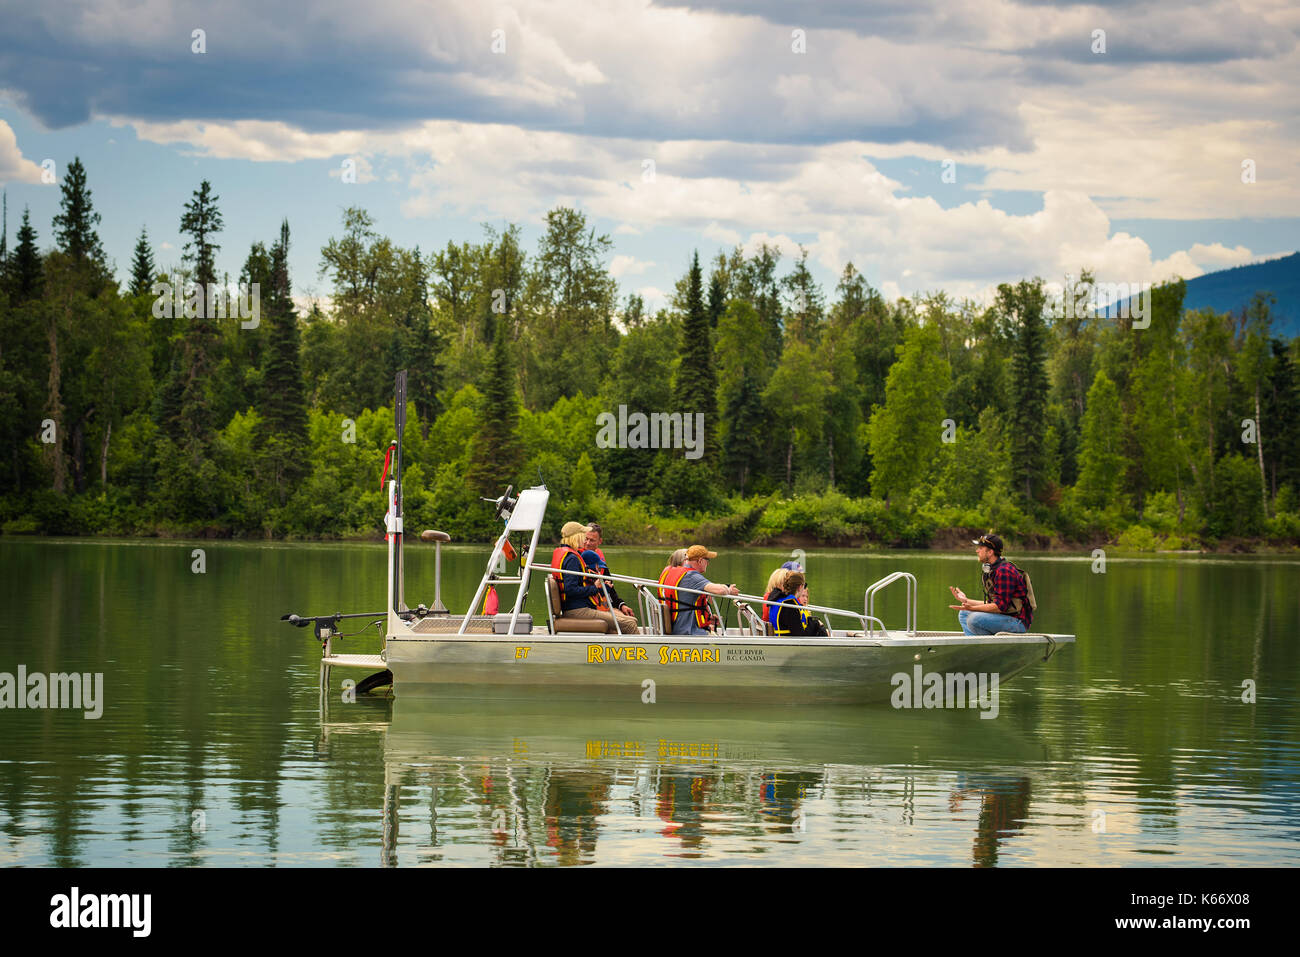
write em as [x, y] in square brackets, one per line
[1006, 604]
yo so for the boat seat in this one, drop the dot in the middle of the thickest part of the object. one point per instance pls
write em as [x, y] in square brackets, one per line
[563, 623]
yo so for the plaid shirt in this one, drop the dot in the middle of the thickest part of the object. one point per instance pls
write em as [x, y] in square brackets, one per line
[1002, 586]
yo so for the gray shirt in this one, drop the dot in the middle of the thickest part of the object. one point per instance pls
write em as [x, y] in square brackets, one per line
[684, 623]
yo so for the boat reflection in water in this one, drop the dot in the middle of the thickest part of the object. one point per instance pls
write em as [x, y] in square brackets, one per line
[535, 783]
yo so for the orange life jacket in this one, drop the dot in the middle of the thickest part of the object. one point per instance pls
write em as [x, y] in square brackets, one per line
[674, 602]
[557, 561]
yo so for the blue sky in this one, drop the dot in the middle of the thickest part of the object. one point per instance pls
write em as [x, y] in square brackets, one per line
[1110, 136]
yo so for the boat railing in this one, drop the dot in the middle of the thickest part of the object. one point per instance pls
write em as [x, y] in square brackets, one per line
[649, 602]
[869, 600]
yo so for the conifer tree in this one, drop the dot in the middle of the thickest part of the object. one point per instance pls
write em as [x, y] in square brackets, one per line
[24, 274]
[142, 265]
[1022, 307]
[190, 418]
[697, 383]
[497, 455]
[74, 226]
[284, 402]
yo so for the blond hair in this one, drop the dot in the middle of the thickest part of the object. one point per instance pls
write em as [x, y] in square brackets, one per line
[777, 580]
[677, 558]
[577, 540]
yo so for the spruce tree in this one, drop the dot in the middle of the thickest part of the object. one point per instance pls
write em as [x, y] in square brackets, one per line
[497, 455]
[192, 423]
[74, 226]
[717, 298]
[697, 383]
[200, 221]
[1022, 308]
[24, 274]
[284, 401]
[1283, 412]
[142, 265]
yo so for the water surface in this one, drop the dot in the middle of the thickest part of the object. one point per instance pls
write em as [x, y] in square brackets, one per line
[1131, 747]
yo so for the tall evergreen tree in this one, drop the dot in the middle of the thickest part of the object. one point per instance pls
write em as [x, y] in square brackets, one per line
[192, 423]
[1283, 411]
[25, 276]
[717, 297]
[284, 402]
[142, 265]
[497, 454]
[742, 374]
[807, 305]
[1022, 308]
[200, 221]
[697, 383]
[759, 284]
[74, 226]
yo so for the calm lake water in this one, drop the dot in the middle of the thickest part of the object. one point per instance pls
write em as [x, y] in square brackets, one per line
[1131, 747]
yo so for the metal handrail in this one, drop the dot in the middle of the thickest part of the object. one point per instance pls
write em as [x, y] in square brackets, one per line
[869, 600]
[643, 584]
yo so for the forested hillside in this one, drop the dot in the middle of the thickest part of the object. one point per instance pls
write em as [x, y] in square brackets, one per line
[830, 415]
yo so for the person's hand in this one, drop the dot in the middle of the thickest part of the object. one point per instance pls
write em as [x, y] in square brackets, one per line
[733, 590]
[958, 594]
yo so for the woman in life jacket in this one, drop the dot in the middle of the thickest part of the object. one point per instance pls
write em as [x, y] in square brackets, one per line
[580, 596]
[789, 617]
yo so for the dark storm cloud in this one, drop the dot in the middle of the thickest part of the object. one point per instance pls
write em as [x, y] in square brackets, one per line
[341, 65]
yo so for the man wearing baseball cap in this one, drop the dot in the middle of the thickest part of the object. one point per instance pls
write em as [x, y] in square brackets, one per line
[1007, 604]
[689, 610]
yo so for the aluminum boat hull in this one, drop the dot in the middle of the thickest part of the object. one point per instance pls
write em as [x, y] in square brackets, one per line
[737, 667]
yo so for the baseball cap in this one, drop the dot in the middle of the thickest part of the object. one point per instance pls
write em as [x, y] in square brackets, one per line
[573, 528]
[699, 551]
[992, 541]
[792, 567]
[593, 560]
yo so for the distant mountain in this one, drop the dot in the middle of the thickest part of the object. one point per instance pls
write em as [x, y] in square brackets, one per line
[1231, 290]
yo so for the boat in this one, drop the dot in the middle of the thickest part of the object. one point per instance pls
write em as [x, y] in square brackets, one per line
[428, 650]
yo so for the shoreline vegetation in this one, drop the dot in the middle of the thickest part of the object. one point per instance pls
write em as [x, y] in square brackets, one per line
[771, 523]
[778, 413]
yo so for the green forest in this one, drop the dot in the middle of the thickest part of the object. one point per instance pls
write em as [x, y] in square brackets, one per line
[830, 416]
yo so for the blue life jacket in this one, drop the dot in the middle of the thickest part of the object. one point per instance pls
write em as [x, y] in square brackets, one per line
[773, 611]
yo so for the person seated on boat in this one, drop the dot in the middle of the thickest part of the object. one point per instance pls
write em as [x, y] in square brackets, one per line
[677, 559]
[788, 617]
[1007, 604]
[596, 562]
[594, 540]
[776, 581]
[580, 597]
[687, 610]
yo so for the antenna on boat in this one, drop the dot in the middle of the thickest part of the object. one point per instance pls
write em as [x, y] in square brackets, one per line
[396, 589]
